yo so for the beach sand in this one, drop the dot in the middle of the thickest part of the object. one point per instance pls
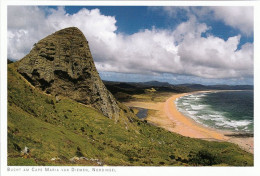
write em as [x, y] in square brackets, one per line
[167, 116]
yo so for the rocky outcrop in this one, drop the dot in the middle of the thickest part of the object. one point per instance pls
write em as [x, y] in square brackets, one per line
[62, 65]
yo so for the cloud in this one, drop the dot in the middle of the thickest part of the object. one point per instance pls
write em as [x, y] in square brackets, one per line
[33, 23]
[239, 17]
[26, 25]
[190, 28]
[181, 50]
[212, 57]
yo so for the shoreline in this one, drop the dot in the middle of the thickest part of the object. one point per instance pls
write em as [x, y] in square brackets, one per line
[167, 116]
[187, 126]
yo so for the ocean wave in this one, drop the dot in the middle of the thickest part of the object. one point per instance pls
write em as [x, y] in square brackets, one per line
[193, 107]
[234, 123]
[198, 107]
[204, 117]
[217, 117]
[192, 112]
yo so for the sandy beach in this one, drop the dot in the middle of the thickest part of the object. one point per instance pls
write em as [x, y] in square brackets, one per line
[167, 116]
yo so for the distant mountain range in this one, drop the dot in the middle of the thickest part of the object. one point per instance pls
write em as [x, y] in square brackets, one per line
[156, 83]
[178, 87]
[218, 87]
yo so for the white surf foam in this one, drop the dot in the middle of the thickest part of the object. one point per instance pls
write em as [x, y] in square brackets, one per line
[234, 123]
[190, 106]
[192, 112]
[198, 107]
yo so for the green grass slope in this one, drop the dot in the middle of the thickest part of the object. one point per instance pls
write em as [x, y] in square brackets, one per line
[70, 133]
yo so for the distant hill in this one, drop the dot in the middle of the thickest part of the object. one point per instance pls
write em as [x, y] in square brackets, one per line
[218, 87]
[156, 83]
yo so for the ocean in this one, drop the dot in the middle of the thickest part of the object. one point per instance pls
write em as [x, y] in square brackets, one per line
[230, 110]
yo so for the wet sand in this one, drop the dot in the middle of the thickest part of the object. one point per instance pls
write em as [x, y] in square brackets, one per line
[167, 116]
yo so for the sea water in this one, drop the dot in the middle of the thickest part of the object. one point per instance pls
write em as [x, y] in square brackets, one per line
[227, 110]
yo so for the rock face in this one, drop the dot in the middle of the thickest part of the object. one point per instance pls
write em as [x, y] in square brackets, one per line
[61, 64]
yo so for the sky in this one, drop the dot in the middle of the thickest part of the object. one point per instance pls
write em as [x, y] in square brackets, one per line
[205, 45]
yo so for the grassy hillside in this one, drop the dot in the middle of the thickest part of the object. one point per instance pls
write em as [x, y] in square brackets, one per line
[65, 132]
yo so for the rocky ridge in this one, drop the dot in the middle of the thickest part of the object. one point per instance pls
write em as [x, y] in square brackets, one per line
[62, 65]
